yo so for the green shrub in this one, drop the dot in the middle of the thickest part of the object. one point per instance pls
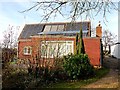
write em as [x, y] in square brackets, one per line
[77, 66]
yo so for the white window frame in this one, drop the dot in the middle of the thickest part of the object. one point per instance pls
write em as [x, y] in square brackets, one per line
[64, 44]
[27, 52]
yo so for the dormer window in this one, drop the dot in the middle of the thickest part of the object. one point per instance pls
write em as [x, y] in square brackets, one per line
[27, 50]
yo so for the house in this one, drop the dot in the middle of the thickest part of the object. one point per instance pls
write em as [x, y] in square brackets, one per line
[42, 43]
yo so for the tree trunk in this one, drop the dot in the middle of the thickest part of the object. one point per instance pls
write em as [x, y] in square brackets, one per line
[109, 49]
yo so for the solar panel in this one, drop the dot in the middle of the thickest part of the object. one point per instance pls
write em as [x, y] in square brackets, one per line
[54, 27]
[47, 28]
[60, 27]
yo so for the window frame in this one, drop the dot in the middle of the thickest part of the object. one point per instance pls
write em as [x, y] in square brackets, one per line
[27, 50]
[47, 28]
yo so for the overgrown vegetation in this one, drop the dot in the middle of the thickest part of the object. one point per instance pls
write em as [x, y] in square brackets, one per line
[14, 79]
[71, 67]
[8, 55]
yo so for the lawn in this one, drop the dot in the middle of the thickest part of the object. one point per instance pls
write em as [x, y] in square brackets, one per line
[23, 80]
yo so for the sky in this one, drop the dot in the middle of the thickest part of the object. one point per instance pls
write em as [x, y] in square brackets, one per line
[10, 15]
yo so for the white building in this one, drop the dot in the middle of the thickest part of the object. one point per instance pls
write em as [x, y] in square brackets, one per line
[115, 49]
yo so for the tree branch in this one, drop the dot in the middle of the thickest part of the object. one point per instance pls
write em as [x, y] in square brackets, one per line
[76, 8]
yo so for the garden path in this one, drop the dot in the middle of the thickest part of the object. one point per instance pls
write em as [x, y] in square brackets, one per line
[111, 80]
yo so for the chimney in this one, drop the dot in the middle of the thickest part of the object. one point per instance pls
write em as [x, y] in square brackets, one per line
[99, 30]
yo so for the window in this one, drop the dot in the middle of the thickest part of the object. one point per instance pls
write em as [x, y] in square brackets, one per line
[27, 50]
[43, 50]
[69, 48]
[56, 48]
[60, 27]
[47, 28]
[54, 27]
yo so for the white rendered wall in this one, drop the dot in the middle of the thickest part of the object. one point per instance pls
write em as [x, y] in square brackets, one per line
[115, 50]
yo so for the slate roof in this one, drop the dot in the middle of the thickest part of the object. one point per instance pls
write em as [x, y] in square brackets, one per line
[30, 30]
[38, 29]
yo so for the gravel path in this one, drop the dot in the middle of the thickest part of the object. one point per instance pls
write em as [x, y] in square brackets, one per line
[111, 80]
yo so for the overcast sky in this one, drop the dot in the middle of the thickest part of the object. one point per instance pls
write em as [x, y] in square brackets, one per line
[10, 15]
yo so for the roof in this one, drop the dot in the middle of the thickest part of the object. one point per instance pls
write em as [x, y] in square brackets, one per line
[30, 30]
[65, 28]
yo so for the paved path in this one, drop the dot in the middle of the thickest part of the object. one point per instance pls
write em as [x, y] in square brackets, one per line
[111, 80]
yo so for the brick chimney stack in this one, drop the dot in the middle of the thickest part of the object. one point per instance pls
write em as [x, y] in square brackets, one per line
[99, 30]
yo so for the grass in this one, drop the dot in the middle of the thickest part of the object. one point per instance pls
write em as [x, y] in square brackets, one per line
[80, 83]
[22, 80]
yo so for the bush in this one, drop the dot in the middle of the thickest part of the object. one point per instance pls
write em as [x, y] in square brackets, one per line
[54, 74]
[77, 66]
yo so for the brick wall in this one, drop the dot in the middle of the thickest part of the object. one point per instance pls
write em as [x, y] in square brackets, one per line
[99, 31]
[35, 44]
[92, 47]
[21, 45]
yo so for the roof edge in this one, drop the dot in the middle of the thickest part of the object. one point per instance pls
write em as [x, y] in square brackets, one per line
[56, 22]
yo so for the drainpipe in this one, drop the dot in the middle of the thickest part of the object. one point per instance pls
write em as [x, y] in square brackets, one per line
[101, 53]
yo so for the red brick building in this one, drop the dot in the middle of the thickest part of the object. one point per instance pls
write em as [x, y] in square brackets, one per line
[38, 42]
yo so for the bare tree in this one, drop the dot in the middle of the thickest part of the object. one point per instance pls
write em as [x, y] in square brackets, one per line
[10, 37]
[9, 44]
[73, 9]
[108, 39]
